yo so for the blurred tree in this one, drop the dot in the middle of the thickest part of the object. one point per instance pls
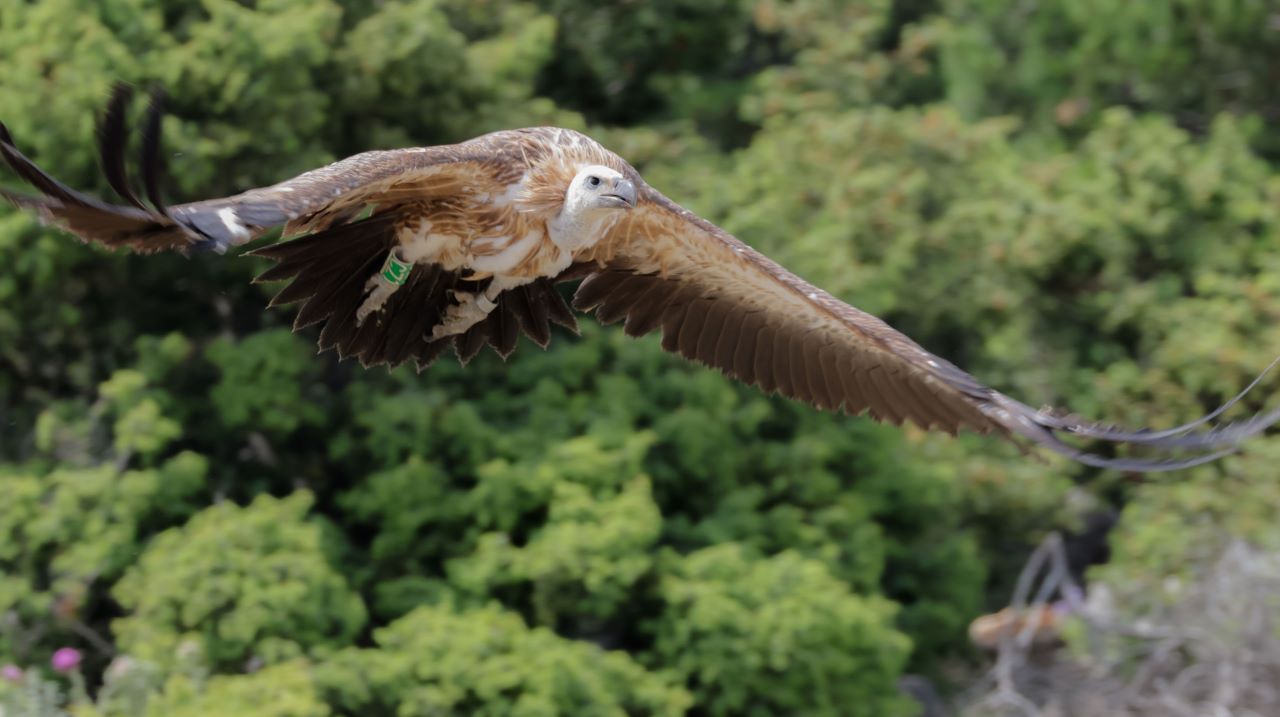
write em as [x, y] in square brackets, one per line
[628, 63]
[283, 690]
[261, 381]
[1063, 62]
[77, 516]
[486, 662]
[254, 583]
[777, 636]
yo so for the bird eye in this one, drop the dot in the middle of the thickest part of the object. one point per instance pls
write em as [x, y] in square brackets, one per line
[593, 181]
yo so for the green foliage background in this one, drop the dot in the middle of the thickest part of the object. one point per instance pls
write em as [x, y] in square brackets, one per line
[1078, 201]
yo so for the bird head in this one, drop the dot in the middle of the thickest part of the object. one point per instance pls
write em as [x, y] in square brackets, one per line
[598, 188]
[597, 197]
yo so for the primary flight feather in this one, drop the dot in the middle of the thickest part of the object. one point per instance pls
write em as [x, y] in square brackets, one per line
[404, 253]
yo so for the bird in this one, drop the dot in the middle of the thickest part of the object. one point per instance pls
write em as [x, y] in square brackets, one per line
[400, 254]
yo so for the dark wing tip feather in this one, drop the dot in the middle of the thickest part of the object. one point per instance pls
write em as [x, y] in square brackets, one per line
[26, 201]
[557, 311]
[1180, 436]
[467, 345]
[151, 159]
[113, 140]
[213, 225]
[35, 176]
[133, 227]
[1178, 447]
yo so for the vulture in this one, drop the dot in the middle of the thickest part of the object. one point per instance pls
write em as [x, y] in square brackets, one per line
[401, 254]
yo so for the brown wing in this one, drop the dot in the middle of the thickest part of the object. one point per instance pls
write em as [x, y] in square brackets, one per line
[720, 302]
[312, 201]
[327, 269]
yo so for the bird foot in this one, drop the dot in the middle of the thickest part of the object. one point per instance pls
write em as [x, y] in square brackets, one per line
[378, 290]
[470, 310]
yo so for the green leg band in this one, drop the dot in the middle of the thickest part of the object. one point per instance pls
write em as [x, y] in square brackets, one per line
[394, 270]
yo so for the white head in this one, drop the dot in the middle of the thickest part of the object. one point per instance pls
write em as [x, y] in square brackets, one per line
[597, 197]
[598, 188]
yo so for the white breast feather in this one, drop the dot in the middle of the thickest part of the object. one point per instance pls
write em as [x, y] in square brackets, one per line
[508, 258]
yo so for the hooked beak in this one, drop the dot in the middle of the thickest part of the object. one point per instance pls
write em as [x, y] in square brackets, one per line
[622, 195]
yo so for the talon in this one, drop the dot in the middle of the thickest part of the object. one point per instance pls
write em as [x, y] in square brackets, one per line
[470, 310]
[452, 325]
[375, 301]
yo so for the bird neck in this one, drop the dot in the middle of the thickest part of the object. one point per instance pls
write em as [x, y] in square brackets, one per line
[573, 230]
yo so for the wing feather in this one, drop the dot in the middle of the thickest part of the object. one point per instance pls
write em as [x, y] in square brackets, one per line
[730, 337]
[763, 368]
[645, 314]
[744, 354]
[719, 302]
[317, 199]
[504, 329]
[113, 132]
[532, 314]
[557, 311]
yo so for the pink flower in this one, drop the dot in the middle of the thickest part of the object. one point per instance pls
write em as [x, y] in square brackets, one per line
[11, 673]
[66, 659]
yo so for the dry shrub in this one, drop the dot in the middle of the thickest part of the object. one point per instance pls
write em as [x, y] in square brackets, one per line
[1207, 646]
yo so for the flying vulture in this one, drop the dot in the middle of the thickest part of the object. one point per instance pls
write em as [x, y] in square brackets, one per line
[401, 254]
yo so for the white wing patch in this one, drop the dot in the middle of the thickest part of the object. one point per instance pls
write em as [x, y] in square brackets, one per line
[232, 223]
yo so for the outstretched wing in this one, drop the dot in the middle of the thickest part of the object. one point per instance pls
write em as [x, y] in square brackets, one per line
[328, 267]
[312, 201]
[720, 302]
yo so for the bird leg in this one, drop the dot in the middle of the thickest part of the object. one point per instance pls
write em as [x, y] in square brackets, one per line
[394, 273]
[472, 308]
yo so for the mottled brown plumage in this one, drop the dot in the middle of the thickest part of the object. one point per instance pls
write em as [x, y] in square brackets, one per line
[488, 226]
